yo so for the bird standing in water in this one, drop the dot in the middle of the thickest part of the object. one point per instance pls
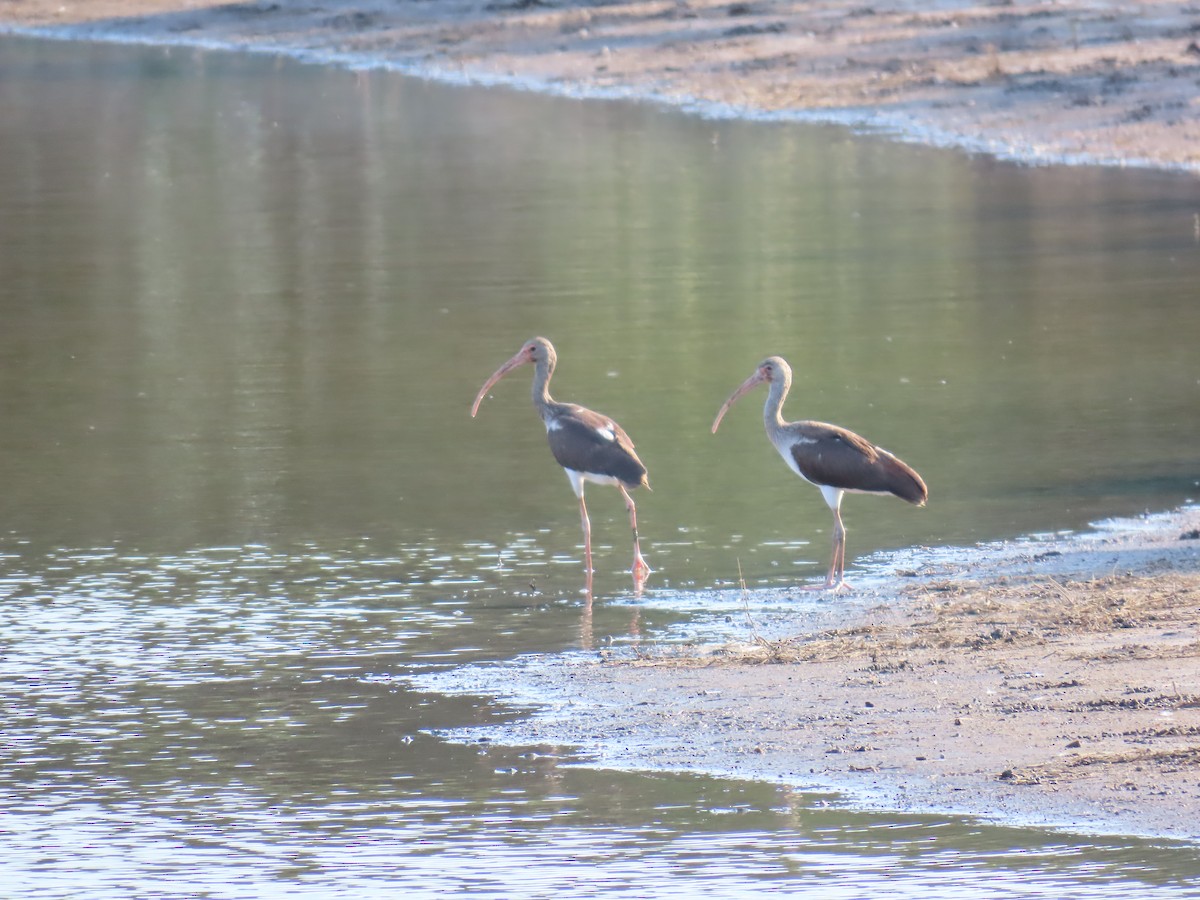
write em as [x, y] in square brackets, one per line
[834, 459]
[588, 445]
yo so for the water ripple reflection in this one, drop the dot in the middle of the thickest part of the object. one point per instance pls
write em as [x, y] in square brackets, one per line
[232, 721]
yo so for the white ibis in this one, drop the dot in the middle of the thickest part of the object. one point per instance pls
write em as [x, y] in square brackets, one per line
[588, 445]
[834, 459]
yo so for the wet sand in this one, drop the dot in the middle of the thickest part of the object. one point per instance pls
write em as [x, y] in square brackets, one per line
[1071, 80]
[1052, 682]
[1043, 682]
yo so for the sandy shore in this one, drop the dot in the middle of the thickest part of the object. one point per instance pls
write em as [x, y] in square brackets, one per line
[1037, 80]
[1049, 682]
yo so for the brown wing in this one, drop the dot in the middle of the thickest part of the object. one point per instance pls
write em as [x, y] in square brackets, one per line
[589, 442]
[829, 455]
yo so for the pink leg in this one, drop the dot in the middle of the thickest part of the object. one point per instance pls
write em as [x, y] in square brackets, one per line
[587, 537]
[640, 568]
[837, 567]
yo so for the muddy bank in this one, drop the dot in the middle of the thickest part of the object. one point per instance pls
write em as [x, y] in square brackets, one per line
[1043, 682]
[1075, 81]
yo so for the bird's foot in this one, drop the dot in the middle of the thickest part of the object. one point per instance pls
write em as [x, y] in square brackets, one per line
[834, 586]
[641, 572]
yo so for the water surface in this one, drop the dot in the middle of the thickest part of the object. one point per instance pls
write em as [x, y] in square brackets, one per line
[246, 305]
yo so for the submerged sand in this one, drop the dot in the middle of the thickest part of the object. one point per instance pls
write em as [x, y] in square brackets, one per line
[1037, 80]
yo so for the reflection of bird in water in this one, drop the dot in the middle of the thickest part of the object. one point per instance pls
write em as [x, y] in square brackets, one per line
[834, 459]
[587, 637]
[588, 445]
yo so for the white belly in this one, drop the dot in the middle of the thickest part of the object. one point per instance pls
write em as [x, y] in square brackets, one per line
[578, 479]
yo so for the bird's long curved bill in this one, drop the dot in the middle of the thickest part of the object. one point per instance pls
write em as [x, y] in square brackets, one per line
[517, 360]
[749, 383]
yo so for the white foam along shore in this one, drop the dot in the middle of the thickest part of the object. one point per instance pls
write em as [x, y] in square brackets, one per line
[920, 127]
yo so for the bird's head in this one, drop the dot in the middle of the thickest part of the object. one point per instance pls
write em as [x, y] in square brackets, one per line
[773, 369]
[536, 351]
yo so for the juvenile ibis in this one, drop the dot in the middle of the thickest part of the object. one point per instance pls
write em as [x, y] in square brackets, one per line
[588, 445]
[834, 459]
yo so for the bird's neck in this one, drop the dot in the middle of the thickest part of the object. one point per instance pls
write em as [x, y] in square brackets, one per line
[541, 388]
[773, 409]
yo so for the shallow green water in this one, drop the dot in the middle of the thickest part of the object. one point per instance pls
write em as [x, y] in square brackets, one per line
[246, 305]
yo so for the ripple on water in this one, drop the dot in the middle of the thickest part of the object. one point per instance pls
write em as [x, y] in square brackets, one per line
[232, 720]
